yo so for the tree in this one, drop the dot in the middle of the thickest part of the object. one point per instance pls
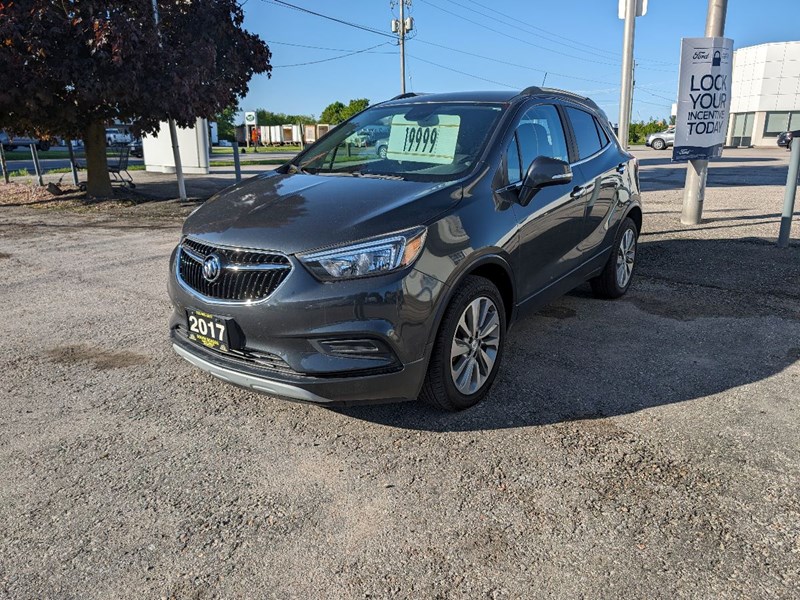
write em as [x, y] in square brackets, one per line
[337, 112]
[639, 131]
[226, 122]
[72, 66]
[333, 113]
[266, 117]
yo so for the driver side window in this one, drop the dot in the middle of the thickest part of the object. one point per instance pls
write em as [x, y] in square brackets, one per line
[539, 133]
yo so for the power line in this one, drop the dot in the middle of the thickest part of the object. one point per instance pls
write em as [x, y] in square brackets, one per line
[314, 62]
[504, 62]
[580, 43]
[316, 14]
[513, 87]
[513, 37]
[529, 43]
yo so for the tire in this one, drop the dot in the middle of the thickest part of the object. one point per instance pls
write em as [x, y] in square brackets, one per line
[382, 152]
[611, 283]
[476, 376]
[43, 146]
[658, 144]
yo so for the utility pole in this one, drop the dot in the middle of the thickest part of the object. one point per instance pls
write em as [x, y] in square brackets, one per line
[173, 131]
[401, 27]
[626, 94]
[697, 170]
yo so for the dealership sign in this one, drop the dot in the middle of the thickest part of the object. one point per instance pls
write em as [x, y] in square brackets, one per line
[704, 98]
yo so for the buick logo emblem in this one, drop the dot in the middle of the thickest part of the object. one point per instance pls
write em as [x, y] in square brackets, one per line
[212, 268]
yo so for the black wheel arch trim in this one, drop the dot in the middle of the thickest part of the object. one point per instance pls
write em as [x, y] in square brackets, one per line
[491, 257]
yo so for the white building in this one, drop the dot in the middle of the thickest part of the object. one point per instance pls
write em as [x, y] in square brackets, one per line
[766, 93]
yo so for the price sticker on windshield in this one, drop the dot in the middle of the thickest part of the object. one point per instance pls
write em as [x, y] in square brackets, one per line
[434, 143]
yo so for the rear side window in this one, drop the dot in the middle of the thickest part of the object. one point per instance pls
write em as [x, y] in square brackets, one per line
[586, 132]
[604, 141]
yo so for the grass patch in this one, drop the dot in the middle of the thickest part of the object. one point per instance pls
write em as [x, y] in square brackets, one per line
[265, 149]
[229, 163]
[26, 154]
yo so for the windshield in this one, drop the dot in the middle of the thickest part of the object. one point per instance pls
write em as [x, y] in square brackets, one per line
[421, 142]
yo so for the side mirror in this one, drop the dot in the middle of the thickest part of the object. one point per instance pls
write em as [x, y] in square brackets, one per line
[544, 171]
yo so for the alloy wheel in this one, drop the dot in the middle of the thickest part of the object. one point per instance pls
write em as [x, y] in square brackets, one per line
[626, 256]
[475, 345]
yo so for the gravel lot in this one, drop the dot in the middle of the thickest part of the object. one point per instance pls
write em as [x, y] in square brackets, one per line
[643, 448]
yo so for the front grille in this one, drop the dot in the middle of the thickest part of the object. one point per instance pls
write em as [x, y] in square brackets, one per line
[247, 275]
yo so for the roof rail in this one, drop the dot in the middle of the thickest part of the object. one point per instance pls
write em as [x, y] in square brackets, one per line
[533, 89]
[529, 91]
[408, 95]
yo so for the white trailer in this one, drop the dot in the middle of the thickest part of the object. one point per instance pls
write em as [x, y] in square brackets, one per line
[275, 135]
[309, 134]
[292, 134]
[322, 129]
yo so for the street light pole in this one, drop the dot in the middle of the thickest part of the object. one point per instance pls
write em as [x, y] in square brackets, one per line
[173, 132]
[626, 94]
[697, 170]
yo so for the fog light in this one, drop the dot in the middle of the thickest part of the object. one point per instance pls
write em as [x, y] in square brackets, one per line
[364, 348]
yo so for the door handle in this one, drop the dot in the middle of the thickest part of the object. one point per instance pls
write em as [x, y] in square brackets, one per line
[577, 192]
[621, 167]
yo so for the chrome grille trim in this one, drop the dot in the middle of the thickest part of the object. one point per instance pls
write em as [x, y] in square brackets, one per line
[248, 275]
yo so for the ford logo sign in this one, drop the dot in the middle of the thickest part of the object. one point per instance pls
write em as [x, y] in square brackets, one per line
[212, 268]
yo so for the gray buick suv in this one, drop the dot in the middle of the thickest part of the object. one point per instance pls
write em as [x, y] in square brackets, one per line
[349, 276]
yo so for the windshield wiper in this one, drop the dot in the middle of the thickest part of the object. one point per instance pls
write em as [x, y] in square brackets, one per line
[298, 169]
[378, 175]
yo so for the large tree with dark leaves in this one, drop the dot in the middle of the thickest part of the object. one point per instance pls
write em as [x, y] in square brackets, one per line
[67, 67]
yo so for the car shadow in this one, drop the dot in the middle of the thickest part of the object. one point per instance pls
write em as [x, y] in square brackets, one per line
[672, 176]
[666, 159]
[702, 318]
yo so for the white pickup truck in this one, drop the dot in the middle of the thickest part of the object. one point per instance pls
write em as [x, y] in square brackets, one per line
[117, 137]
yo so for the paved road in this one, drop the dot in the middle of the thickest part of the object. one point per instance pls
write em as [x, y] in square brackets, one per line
[59, 163]
[642, 448]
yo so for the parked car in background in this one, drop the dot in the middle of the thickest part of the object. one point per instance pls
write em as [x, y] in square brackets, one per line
[662, 139]
[136, 149]
[20, 141]
[117, 137]
[785, 140]
[382, 147]
[350, 278]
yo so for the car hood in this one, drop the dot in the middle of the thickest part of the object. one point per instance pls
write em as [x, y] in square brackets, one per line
[299, 212]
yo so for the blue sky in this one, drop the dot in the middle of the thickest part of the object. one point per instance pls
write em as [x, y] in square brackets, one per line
[578, 43]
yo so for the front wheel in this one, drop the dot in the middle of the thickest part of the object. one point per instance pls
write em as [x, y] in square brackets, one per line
[382, 152]
[616, 277]
[468, 347]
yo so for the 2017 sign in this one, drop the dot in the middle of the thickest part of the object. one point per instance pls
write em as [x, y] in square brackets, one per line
[704, 98]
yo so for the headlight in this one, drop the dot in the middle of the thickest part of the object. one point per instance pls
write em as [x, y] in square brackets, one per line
[374, 257]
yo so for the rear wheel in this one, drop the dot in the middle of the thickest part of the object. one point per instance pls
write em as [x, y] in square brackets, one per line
[617, 275]
[468, 347]
[658, 144]
[382, 151]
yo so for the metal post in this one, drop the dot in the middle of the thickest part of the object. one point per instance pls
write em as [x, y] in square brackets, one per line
[36, 166]
[3, 164]
[402, 33]
[697, 170]
[173, 131]
[789, 195]
[176, 155]
[237, 167]
[626, 94]
[73, 168]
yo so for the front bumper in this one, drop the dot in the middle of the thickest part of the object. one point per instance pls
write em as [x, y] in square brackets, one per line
[285, 353]
[386, 387]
